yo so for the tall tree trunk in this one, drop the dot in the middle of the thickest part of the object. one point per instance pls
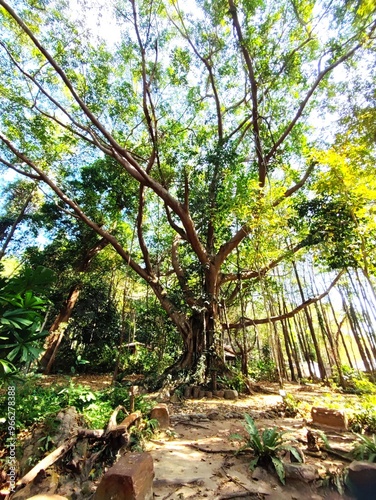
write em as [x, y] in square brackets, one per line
[19, 218]
[311, 328]
[291, 340]
[57, 329]
[353, 325]
[339, 334]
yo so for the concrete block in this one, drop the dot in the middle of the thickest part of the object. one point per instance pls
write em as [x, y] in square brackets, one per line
[131, 478]
[328, 418]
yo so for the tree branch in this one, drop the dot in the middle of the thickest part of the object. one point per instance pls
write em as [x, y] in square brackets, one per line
[273, 319]
[311, 91]
[297, 186]
[255, 114]
[246, 275]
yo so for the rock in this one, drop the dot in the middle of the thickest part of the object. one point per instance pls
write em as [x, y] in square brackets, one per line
[69, 421]
[302, 472]
[260, 474]
[213, 415]
[328, 418]
[160, 413]
[219, 394]
[361, 480]
[231, 394]
[201, 394]
[312, 441]
[131, 478]
[208, 394]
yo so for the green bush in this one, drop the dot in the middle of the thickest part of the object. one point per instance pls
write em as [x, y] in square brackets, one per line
[21, 319]
[36, 402]
[236, 382]
[357, 382]
[263, 368]
[364, 417]
[144, 361]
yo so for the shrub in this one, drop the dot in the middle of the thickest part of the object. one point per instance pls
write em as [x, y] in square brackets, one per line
[357, 382]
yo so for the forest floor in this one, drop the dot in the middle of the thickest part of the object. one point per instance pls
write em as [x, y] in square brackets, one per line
[195, 459]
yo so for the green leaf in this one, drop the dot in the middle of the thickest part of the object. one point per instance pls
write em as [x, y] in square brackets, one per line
[278, 465]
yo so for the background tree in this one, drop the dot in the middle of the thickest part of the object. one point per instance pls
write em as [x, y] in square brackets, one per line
[209, 112]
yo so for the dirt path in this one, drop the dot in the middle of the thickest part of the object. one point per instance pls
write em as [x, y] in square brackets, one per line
[196, 460]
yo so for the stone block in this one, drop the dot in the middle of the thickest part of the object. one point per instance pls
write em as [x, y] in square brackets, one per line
[328, 418]
[208, 394]
[131, 478]
[188, 392]
[201, 394]
[195, 392]
[231, 394]
[361, 480]
[160, 413]
[219, 394]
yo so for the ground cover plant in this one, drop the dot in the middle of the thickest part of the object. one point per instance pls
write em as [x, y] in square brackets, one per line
[266, 447]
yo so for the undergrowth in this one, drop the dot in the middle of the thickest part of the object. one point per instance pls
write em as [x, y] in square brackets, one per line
[35, 403]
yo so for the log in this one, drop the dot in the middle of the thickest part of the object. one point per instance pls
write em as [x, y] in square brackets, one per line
[112, 424]
[90, 433]
[131, 419]
[47, 462]
[113, 429]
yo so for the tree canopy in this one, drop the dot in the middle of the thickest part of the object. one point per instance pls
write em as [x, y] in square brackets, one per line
[197, 144]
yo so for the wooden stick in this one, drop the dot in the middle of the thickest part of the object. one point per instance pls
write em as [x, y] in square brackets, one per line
[47, 461]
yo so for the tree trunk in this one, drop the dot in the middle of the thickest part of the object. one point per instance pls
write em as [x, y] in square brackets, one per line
[311, 328]
[16, 222]
[57, 330]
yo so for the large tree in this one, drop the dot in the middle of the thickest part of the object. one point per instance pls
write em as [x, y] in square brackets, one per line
[213, 111]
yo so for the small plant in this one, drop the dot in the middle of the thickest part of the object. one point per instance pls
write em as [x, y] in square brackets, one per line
[335, 480]
[267, 447]
[365, 448]
[142, 433]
